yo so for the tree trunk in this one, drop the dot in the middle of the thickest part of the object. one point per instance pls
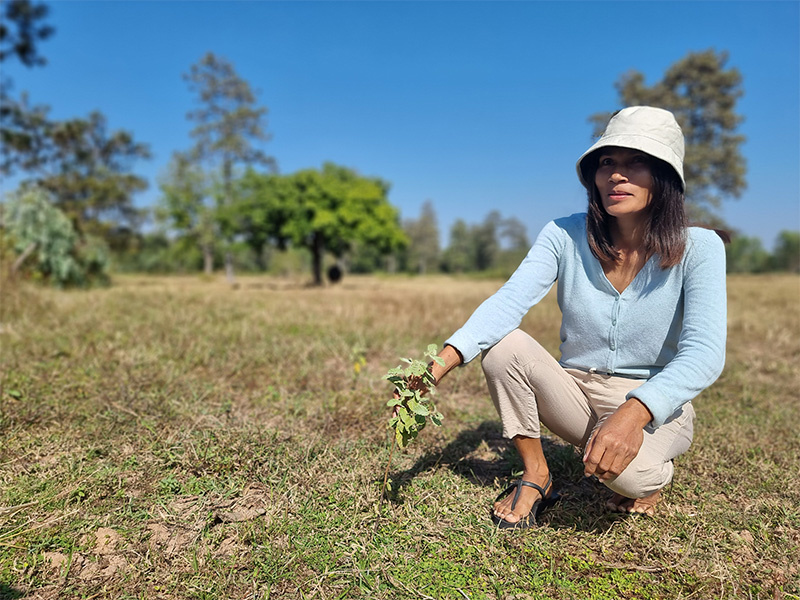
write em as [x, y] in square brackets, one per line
[227, 176]
[208, 260]
[317, 250]
[229, 267]
[22, 257]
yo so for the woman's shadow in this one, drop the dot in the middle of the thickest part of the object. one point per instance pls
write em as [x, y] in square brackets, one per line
[483, 457]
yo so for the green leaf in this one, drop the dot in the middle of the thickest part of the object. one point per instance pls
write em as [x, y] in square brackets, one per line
[418, 368]
[439, 360]
[420, 409]
[394, 402]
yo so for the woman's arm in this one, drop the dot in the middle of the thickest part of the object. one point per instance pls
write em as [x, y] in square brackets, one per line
[501, 313]
[701, 345]
[452, 358]
[699, 361]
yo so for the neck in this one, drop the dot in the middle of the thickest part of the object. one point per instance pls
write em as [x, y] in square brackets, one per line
[627, 234]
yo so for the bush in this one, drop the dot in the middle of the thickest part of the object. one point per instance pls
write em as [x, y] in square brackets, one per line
[46, 246]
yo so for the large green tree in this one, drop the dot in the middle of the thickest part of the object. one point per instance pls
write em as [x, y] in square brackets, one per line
[230, 128]
[702, 91]
[325, 210]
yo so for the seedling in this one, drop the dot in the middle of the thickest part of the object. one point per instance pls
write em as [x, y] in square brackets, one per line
[414, 386]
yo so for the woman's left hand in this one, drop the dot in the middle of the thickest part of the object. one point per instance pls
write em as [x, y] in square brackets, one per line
[616, 443]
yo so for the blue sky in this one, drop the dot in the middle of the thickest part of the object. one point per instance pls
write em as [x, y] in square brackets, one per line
[473, 105]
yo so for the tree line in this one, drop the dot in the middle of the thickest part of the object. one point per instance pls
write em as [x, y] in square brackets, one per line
[223, 202]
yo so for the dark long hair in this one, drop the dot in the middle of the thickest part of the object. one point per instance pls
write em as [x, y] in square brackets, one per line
[665, 231]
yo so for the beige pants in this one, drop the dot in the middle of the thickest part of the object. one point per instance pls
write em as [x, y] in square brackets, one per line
[528, 386]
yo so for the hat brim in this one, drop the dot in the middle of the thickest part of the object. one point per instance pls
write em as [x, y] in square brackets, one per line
[640, 142]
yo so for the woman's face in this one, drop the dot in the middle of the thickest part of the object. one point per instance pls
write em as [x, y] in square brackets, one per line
[624, 181]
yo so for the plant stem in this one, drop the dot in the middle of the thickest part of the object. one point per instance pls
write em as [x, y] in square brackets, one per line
[386, 473]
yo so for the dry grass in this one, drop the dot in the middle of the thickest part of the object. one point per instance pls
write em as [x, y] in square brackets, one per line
[175, 438]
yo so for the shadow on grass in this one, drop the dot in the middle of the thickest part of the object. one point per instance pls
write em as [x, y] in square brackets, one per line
[9, 593]
[483, 457]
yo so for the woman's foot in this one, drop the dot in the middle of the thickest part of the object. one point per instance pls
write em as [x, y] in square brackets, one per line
[636, 506]
[502, 509]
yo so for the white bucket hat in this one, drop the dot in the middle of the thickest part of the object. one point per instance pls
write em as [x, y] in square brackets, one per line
[646, 128]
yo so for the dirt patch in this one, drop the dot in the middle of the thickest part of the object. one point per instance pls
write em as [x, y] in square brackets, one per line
[57, 560]
[103, 568]
[104, 561]
[106, 541]
[179, 526]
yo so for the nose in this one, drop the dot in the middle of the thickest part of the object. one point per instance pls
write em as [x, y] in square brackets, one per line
[616, 176]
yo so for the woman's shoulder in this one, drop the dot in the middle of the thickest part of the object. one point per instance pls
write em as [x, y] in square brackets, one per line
[704, 237]
[564, 230]
[571, 225]
[705, 242]
[573, 221]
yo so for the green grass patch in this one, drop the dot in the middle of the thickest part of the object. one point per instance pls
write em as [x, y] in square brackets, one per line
[172, 438]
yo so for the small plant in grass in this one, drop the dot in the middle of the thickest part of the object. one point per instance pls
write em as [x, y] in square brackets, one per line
[414, 386]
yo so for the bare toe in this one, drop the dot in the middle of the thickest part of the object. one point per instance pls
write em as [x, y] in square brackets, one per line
[637, 506]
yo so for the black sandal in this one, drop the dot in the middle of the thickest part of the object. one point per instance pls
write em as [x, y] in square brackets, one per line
[543, 503]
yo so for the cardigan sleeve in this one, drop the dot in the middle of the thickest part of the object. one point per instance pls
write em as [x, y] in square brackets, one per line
[502, 312]
[700, 354]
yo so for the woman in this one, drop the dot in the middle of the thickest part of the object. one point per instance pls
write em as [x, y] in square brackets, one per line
[643, 325]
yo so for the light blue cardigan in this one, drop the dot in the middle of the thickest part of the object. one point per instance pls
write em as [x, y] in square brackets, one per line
[668, 326]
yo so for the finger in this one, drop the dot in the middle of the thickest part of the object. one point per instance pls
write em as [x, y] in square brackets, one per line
[588, 449]
[592, 460]
[620, 462]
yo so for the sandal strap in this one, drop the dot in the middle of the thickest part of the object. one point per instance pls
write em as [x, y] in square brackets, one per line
[518, 484]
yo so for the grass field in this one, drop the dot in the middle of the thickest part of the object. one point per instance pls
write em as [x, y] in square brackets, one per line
[172, 438]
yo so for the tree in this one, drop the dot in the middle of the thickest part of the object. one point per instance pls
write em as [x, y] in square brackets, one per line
[459, 255]
[786, 256]
[20, 31]
[746, 255]
[702, 93]
[325, 210]
[88, 173]
[20, 41]
[85, 167]
[229, 126]
[423, 235]
[186, 208]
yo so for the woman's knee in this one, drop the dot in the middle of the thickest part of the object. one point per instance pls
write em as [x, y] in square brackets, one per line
[497, 359]
[638, 481]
